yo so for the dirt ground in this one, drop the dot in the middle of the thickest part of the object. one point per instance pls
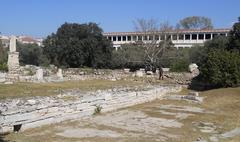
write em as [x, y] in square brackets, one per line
[217, 119]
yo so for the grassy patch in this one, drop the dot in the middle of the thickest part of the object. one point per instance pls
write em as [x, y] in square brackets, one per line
[47, 89]
[97, 110]
[225, 104]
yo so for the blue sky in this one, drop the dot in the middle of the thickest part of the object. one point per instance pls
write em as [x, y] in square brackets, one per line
[39, 18]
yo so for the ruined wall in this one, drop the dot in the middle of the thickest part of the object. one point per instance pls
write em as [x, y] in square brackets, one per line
[33, 112]
[31, 73]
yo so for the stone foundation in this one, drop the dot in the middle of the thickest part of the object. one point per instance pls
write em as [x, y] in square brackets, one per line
[22, 114]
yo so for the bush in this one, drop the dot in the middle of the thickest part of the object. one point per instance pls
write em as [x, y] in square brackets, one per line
[179, 65]
[128, 56]
[3, 54]
[219, 63]
[31, 54]
[221, 68]
[3, 67]
[97, 110]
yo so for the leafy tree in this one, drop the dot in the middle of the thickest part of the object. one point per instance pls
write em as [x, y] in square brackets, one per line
[195, 22]
[221, 69]
[3, 53]
[128, 56]
[234, 37]
[3, 58]
[31, 54]
[198, 55]
[77, 45]
[219, 42]
[219, 66]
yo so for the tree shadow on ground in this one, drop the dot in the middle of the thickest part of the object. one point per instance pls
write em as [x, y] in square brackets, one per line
[198, 85]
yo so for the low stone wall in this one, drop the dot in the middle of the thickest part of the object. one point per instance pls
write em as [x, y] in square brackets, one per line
[183, 78]
[29, 73]
[21, 114]
[2, 77]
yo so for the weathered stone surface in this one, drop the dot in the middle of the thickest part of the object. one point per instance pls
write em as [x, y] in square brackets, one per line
[13, 62]
[37, 111]
[12, 47]
[60, 74]
[149, 73]
[195, 94]
[166, 69]
[39, 74]
[142, 69]
[192, 67]
[2, 77]
[126, 70]
[139, 73]
[13, 56]
[179, 78]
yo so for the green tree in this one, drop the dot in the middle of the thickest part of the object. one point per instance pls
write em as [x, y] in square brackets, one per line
[234, 37]
[31, 54]
[3, 57]
[219, 66]
[3, 53]
[77, 45]
[128, 56]
[195, 22]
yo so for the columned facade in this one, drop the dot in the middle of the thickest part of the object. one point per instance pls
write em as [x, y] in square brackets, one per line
[180, 38]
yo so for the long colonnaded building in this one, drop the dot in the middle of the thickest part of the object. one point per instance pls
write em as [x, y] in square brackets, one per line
[180, 38]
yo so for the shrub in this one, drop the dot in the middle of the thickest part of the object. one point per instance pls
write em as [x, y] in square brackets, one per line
[97, 110]
[3, 67]
[179, 65]
[31, 54]
[128, 56]
[221, 68]
[219, 65]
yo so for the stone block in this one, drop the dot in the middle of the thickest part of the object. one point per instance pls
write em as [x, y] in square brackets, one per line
[196, 94]
[50, 110]
[60, 74]
[107, 96]
[126, 70]
[2, 77]
[39, 74]
[12, 46]
[139, 73]
[149, 73]
[193, 68]
[165, 69]
[31, 102]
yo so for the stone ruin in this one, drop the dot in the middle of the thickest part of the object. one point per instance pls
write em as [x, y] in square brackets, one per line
[13, 61]
[23, 113]
[193, 68]
[30, 73]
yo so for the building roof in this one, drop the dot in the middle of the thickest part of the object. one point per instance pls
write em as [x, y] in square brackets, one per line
[27, 39]
[173, 31]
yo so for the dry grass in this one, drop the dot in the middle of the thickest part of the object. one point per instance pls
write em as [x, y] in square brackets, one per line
[46, 89]
[224, 102]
